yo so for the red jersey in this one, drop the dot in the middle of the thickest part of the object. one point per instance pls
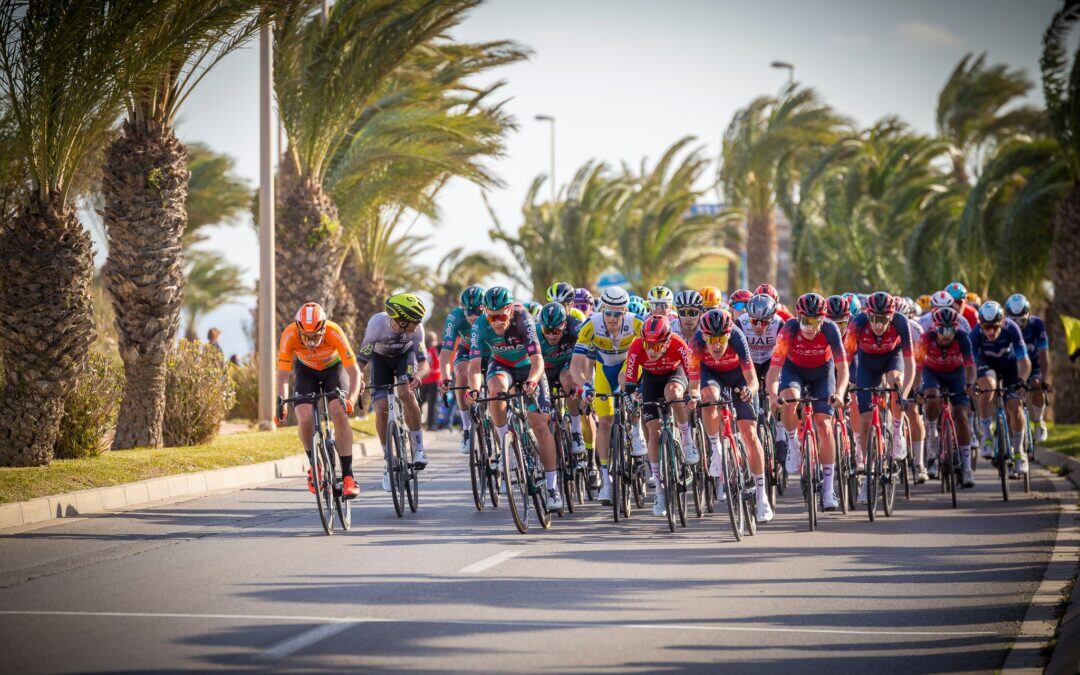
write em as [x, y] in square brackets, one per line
[792, 346]
[736, 355]
[676, 354]
[970, 314]
[930, 354]
[783, 313]
[860, 337]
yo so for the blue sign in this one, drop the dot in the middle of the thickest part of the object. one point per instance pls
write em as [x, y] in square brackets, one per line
[612, 279]
[705, 210]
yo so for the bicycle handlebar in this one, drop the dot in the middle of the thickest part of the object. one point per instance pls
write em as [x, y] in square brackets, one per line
[313, 397]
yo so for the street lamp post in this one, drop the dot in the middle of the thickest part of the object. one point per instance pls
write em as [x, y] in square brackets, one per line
[789, 67]
[549, 118]
[267, 400]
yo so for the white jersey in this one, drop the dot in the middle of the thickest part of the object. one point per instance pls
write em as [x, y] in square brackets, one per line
[760, 346]
[926, 323]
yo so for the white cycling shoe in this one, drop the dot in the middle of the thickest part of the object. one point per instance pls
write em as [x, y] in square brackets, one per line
[577, 444]
[829, 502]
[987, 451]
[690, 452]
[792, 463]
[714, 464]
[604, 496]
[659, 507]
[1040, 432]
[386, 481]
[931, 469]
[968, 478]
[637, 445]
[861, 497]
[553, 499]
[764, 511]
[464, 449]
[419, 458]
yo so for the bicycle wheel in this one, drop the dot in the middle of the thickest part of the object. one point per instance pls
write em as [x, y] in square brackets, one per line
[516, 481]
[1029, 448]
[490, 457]
[397, 472]
[564, 460]
[697, 476]
[809, 480]
[667, 476]
[324, 488]
[841, 469]
[730, 477]
[749, 489]
[342, 506]
[708, 488]
[873, 472]
[1001, 438]
[615, 458]
[769, 453]
[889, 479]
[679, 470]
[627, 466]
[907, 466]
[411, 476]
[538, 487]
[478, 468]
[948, 461]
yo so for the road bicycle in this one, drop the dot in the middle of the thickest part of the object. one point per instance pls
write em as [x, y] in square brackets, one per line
[810, 477]
[1003, 456]
[572, 468]
[627, 473]
[399, 452]
[703, 496]
[328, 488]
[482, 471]
[676, 475]
[775, 471]
[739, 487]
[950, 464]
[882, 469]
[846, 462]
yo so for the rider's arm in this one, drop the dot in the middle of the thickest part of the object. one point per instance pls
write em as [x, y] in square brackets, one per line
[536, 367]
[283, 384]
[841, 377]
[356, 380]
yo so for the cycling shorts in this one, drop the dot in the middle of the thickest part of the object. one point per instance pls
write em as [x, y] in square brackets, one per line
[518, 375]
[1005, 371]
[872, 369]
[606, 381]
[819, 382]
[390, 370]
[309, 380]
[729, 378]
[652, 390]
[951, 382]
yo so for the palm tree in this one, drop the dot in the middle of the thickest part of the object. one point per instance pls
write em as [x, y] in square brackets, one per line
[145, 191]
[327, 74]
[763, 148]
[65, 69]
[1061, 87]
[976, 111]
[211, 283]
[455, 271]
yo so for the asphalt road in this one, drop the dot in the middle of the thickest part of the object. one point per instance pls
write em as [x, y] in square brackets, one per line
[248, 580]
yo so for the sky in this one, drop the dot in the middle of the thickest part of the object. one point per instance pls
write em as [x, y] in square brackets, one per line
[625, 79]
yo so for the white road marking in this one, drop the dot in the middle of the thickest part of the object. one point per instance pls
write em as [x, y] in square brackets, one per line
[305, 639]
[488, 563]
[749, 627]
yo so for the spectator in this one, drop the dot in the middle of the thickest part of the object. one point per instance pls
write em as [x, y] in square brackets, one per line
[429, 388]
[212, 336]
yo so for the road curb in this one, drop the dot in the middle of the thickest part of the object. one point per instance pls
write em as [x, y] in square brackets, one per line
[1037, 631]
[1069, 465]
[155, 490]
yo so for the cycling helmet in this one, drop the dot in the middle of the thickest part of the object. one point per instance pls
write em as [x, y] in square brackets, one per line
[942, 299]
[656, 329]
[406, 306]
[767, 289]
[532, 307]
[854, 303]
[1017, 306]
[740, 295]
[946, 317]
[596, 304]
[810, 304]
[838, 308]
[560, 291]
[498, 297]
[688, 299]
[472, 298]
[880, 303]
[974, 299]
[638, 308]
[761, 308]
[991, 312]
[924, 302]
[552, 315]
[716, 322]
[661, 294]
[583, 299]
[710, 296]
[311, 318]
[957, 290]
[614, 297]
[637, 298]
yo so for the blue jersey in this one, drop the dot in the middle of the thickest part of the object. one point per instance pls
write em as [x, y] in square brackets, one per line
[1035, 336]
[557, 355]
[1008, 346]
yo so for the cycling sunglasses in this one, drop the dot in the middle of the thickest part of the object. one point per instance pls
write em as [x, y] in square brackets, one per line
[716, 340]
[474, 312]
[759, 322]
[655, 346]
[689, 312]
[946, 331]
[662, 306]
[810, 321]
[880, 319]
[552, 331]
[612, 313]
[498, 317]
[312, 337]
[991, 326]
[739, 306]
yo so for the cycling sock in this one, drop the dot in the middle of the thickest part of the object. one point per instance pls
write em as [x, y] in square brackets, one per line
[552, 478]
[759, 483]
[466, 419]
[896, 429]
[684, 431]
[346, 466]
[417, 439]
[655, 466]
[965, 457]
[604, 472]
[860, 453]
[1037, 411]
[984, 424]
[1018, 442]
[575, 424]
[714, 443]
[917, 448]
[827, 475]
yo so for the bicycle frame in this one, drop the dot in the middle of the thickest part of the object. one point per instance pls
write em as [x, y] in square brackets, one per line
[328, 496]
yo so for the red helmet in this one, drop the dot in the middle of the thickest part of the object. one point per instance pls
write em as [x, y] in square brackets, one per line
[311, 318]
[656, 329]
[739, 295]
[880, 303]
[946, 317]
[810, 304]
[716, 322]
[839, 308]
[768, 290]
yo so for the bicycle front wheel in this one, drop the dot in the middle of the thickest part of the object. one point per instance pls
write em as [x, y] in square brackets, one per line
[889, 480]
[873, 473]
[748, 491]
[730, 476]
[1001, 437]
[478, 468]
[615, 470]
[842, 470]
[411, 477]
[770, 459]
[397, 471]
[516, 481]
[667, 476]
[809, 480]
[324, 484]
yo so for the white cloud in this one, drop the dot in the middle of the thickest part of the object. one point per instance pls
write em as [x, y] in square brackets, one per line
[923, 34]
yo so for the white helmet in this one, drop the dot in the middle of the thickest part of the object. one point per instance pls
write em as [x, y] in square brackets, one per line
[615, 297]
[942, 299]
[1017, 305]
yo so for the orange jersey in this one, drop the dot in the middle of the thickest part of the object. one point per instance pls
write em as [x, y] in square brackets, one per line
[333, 348]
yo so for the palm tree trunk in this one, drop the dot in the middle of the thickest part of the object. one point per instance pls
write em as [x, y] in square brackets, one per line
[368, 296]
[346, 313]
[47, 328]
[145, 188]
[761, 247]
[1064, 273]
[308, 233]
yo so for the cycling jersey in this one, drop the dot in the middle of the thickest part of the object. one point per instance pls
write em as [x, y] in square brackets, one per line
[792, 346]
[970, 314]
[1008, 346]
[929, 354]
[861, 339]
[926, 322]
[1035, 336]
[760, 346]
[382, 339]
[514, 347]
[558, 355]
[784, 313]
[457, 326]
[599, 344]
[676, 354]
[333, 349]
[736, 355]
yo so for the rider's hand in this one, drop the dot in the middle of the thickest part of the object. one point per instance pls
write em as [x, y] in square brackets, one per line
[530, 387]
[746, 394]
[282, 414]
[350, 406]
[444, 386]
[835, 401]
[472, 394]
[587, 392]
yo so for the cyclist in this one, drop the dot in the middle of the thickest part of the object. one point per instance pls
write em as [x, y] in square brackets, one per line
[1033, 329]
[760, 327]
[322, 353]
[937, 301]
[638, 308]
[722, 359]
[664, 361]
[710, 297]
[944, 358]
[738, 300]
[802, 362]
[909, 309]
[769, 290]
[508, 332]
[690, 306]
[880, 339]
[662, 303]
[923, 301]
[560, 332]
[394, 345]
[599, 364]
[1000, 355]
[959, 295]
[456, 341]
[533, 308]
[583, 301]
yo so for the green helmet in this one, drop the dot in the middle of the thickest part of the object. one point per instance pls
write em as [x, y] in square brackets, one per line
[498, 297]
[472, 298]
[532, 307]
[406, 306]
[552, 316]
[560, 291]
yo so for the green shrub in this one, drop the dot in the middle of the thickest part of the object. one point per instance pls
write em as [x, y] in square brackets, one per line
[198, 393]
[90, 409]
[245, 376]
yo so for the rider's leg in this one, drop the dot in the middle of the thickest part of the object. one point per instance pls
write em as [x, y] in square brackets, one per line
[461, 379]
[539, 422]
[963, 434]
[894, 378]
[983, 404]
[343, 435]
[1015, 414]
[497, 384]
[827, 452]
